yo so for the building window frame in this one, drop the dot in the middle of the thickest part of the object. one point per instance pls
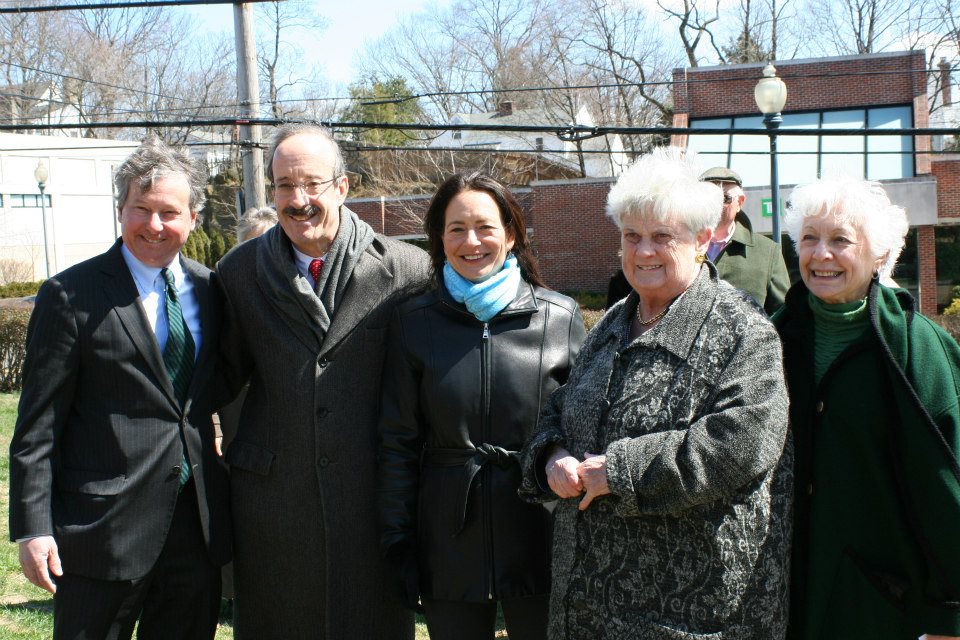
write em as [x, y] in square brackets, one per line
[715, 151]
[28, 200]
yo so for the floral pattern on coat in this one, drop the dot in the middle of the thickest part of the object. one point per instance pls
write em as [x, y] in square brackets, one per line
[693, 541]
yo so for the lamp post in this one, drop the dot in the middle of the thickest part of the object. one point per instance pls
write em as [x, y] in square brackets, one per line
[41, 173]
[771, 95]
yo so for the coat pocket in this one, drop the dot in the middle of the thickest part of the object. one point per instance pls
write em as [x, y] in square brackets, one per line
[249, 457]
[95, 483]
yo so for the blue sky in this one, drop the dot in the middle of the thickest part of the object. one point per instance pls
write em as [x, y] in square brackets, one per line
[349, 27]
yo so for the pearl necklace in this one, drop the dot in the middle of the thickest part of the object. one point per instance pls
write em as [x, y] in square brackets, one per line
[646, 323]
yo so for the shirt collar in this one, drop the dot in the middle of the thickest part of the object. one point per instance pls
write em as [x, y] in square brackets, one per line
[146, 274]
[303, 260]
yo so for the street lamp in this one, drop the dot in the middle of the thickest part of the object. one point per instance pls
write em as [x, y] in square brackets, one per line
[771, 94]
[41, 173]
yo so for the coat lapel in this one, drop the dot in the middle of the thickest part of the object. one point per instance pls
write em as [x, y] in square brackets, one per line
[208, 324]
[125, 299]
[364, 292]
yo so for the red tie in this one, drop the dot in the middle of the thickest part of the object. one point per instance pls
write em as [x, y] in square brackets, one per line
[315, 265]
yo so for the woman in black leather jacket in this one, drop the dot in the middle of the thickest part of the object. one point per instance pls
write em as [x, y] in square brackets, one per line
[468, 365]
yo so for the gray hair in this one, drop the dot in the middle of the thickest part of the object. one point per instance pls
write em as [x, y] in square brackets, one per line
[254, 222]
[154, 160]
[861, 203]
[665, 184]
[296, 129]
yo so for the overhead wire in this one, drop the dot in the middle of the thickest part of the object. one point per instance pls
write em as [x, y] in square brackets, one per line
[364, 100]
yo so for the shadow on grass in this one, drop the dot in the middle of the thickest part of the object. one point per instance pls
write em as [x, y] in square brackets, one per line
[44, 606]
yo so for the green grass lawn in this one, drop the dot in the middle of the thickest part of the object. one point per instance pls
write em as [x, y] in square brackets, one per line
[26, 611]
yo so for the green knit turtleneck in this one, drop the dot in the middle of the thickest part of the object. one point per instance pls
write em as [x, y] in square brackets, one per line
[835, 326]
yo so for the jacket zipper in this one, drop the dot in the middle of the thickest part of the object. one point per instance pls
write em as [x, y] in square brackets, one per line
[488, 529]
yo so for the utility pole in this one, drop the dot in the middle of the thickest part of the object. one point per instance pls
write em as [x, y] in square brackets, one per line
[248, 93]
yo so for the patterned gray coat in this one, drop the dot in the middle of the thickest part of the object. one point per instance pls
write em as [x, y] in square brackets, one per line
[693, 541]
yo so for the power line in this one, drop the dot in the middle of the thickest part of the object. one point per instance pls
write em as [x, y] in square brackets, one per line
[379, 100]
[349, 146]
[93, 82]
[115, 5]
[124, 145]
[568, 133]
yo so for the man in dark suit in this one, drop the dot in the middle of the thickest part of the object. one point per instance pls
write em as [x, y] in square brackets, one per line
[117, 497]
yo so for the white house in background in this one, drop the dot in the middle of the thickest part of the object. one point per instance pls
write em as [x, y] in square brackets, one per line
[78, 198]
[40, 105]
[604, 155]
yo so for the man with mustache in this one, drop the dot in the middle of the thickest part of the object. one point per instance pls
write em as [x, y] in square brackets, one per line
[308, 304]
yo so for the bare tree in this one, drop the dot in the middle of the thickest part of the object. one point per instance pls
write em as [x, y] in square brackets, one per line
[277, 51]
[629, 63]
[858, 26]
[181, 84]
[693, 24]
[23, 40]
[15, 271]
[479, 46]
[418, 49]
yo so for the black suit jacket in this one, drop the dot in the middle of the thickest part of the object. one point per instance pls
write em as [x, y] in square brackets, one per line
[95, 453]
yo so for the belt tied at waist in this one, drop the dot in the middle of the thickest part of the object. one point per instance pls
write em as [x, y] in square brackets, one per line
[471, 460]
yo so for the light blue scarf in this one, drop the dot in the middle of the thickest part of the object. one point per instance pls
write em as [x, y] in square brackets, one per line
[486, 298]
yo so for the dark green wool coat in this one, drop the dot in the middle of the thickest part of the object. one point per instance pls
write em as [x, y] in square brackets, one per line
[753, 263]
[876, 549]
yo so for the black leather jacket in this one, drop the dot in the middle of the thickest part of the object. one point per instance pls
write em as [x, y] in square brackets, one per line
[460, 399]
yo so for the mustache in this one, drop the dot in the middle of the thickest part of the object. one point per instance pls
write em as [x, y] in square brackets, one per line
[301, 214]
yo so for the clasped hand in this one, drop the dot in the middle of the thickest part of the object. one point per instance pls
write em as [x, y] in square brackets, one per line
[569, 477]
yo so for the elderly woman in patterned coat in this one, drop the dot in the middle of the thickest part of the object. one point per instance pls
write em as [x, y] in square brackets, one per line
[668, 445]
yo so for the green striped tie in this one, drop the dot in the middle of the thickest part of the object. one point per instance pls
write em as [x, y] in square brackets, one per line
[178, 356]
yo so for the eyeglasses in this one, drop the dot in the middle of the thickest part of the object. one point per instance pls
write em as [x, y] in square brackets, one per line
[727, 198]
[311, 188]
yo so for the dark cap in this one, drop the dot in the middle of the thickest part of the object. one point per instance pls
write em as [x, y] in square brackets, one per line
[721, 174]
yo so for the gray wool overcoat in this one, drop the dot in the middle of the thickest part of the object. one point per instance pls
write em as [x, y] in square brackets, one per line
[303, 462]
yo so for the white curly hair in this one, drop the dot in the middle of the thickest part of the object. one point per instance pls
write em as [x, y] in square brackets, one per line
[665, 185]
[861, 203]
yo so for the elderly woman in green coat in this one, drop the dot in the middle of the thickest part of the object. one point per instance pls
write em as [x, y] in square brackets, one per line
[873, 406]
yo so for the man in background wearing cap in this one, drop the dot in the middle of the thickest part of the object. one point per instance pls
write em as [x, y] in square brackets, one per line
[747, 260]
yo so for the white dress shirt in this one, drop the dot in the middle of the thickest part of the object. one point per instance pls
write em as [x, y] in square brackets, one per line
[152, 289]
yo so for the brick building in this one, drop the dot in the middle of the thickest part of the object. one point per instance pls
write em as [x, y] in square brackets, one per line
[869, 92]
[578, 245]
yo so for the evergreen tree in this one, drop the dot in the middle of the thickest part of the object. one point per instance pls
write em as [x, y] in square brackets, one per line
[375, 100]
[197, 246]
[746, 48]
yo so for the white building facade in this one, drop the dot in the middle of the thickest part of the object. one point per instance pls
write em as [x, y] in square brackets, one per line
[77, 206]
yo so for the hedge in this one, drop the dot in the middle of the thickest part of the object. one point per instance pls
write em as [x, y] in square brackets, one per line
[19, 289]
[13, 349]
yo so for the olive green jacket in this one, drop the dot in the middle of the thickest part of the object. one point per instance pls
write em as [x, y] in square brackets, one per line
[753, 262]
[876, 551]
